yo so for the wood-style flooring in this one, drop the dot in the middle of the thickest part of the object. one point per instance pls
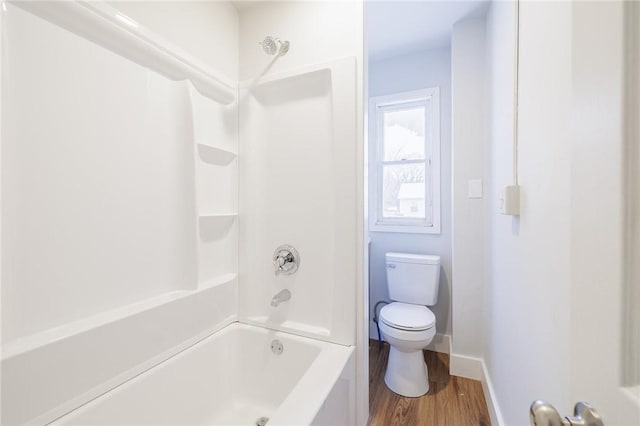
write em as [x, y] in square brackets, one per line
[451, 400]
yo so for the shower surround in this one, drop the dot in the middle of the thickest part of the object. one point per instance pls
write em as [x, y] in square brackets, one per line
[144, 190]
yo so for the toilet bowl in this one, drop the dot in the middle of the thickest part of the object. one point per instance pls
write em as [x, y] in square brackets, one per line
[408, 329]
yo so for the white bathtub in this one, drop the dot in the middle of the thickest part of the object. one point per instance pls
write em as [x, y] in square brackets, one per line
[233, 378]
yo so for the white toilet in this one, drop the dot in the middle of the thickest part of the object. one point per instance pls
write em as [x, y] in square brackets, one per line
[406, 323]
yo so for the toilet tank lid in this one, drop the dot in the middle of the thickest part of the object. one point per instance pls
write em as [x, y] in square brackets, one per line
[424, 259]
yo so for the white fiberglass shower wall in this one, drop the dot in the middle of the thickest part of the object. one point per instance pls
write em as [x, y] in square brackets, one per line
[111, 230]
[301, 169]
[152, 155]
[296, 180]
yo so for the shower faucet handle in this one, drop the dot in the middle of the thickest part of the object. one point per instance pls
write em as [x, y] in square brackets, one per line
[286, 260]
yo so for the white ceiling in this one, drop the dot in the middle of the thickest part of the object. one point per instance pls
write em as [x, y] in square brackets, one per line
[399, 27]
[241, 5]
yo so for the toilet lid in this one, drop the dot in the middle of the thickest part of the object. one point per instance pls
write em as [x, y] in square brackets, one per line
[406, 316]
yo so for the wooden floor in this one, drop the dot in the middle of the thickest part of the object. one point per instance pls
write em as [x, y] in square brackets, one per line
[451, 400]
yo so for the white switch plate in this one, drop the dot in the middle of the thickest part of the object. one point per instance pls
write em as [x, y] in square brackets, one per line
[474, 188]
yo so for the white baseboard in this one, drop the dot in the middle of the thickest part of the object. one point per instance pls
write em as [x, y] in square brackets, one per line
[465, 366]
[490, 397]
[475, 369]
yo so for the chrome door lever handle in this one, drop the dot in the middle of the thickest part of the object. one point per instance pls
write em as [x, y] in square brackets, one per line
[544, 414]
[585, 415]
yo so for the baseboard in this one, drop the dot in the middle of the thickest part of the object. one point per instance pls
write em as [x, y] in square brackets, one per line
[475, 368]
[490, 397]
[465, 366]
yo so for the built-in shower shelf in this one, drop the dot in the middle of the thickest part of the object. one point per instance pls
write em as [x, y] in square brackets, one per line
[215, 226]
[213, 155]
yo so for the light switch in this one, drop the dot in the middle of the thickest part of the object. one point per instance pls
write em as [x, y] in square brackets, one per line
[474, 188]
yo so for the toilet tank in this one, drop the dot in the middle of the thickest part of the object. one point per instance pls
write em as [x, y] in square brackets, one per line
[413, 278]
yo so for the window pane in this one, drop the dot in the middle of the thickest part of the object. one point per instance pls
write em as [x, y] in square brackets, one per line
[403, 191]
[404, 134]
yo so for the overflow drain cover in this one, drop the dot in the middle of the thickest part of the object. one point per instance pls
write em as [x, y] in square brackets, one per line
[262, 421]
[277, 347]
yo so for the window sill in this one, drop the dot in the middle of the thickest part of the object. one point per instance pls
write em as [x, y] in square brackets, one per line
[404, 229]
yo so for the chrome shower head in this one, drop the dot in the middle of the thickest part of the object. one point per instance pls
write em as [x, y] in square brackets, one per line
[270, 46]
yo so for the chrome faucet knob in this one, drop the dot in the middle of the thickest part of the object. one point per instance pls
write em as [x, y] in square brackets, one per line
[286, 260]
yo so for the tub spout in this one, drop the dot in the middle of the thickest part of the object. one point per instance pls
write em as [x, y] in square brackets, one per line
[282, 296]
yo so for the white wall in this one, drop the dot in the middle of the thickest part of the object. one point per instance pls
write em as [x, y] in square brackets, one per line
[469, 144]
[528, 266]
[429, 68]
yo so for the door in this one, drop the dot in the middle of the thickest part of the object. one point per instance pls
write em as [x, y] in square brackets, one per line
[605, 218]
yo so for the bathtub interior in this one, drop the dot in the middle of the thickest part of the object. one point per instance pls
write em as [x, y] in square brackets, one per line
[230, 378]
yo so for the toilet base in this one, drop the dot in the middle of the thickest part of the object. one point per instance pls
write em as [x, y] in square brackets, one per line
[407, 373]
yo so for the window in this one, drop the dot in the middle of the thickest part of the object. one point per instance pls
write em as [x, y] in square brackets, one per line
[405, 166]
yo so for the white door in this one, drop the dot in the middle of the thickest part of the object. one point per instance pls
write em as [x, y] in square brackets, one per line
[605, 222]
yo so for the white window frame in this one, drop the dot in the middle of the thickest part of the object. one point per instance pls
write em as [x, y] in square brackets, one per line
[430, 99]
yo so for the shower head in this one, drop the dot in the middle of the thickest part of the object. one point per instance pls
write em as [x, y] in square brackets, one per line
[269, 45]
[273, 45]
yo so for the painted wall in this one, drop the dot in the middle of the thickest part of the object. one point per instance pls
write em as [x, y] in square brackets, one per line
[469, 143]
[528, 265]
[430, 68]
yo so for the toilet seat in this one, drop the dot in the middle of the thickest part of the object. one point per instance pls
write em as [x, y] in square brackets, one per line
[407, 317]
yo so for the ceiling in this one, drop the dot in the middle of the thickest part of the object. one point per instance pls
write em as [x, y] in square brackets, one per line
[399, 27]
[241, 5]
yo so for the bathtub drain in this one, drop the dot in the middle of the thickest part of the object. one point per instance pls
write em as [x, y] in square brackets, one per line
[262, 421]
